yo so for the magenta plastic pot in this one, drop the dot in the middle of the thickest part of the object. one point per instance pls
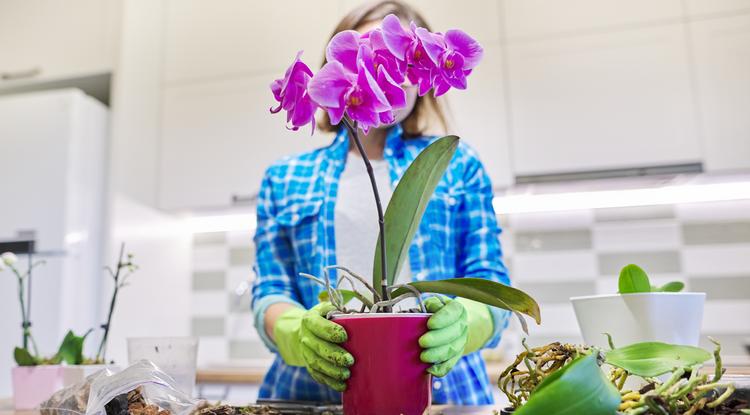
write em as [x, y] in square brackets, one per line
[387, 376]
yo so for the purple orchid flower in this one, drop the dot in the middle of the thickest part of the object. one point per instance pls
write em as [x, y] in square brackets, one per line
[339, 91]
[454, 55]
[291, 92]
[407, 47]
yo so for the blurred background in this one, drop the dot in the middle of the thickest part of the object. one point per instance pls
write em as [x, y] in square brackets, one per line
[615, 132]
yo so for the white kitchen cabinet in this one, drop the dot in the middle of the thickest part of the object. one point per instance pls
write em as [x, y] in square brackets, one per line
[217, 140]
[230, 38]
[534, 18]
[722, 62]
[478, 115]
[602, 101]
[49, 39]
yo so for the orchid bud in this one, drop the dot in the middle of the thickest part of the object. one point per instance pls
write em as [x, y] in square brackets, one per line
[9, 258]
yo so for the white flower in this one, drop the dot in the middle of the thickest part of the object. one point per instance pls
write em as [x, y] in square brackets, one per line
[2, 266]
[9, 258]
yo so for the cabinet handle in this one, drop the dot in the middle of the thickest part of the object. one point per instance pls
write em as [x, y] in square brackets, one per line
[244, 199]
[28, 73]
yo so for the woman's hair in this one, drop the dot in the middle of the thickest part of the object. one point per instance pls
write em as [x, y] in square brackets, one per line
[427, 108]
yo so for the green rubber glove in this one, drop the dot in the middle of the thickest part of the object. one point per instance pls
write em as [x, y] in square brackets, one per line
[456, 328]
[307, 338]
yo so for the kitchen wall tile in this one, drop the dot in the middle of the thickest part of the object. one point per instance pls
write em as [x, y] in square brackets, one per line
[559, 266]
[559, 320]
[722, 288]
[553, 241]
[248, 349]
[212, 350]
[716, 233]
[238, 277]
[652, 262]
[706, 212]
[241, 256]
[716, 260]
[207, 326]
[209, 303]
[555, 292]
[709, 7]
[634, 213]
[507, 243]
[209, 280]
[727, 316]
[241, 239]
[636, 236]
[210, 257]
[575, 219]
[239, 303]
[241, 326]
[209, 238]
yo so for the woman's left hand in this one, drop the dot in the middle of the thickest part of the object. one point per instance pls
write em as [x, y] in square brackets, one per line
[445, 341]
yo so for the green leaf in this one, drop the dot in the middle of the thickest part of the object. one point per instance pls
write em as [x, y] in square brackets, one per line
[408, 203]
[481, 290]
[578, 388]
[348, 296]
[71, 348]
[633, 280]
[671, 287]
[649, 359]
[23, 357]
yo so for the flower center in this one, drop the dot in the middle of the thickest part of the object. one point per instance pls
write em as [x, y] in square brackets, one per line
[417, 54]
[449, 64]
[354, 100]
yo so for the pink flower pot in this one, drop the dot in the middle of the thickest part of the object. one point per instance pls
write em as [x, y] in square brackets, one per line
[32, 385]
[387, 376]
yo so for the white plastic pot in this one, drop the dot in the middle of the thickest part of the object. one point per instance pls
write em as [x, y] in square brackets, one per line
[631, 318]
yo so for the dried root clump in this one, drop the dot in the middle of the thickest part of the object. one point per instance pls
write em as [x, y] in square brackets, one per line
[133, 403]
[532, 366]
[686, 392]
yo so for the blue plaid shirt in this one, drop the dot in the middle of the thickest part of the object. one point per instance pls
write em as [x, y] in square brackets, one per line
[458, 236]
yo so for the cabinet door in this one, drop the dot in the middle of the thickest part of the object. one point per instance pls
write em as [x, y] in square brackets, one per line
[49, 39]
[217, 140]
[602, 101]
[213, 39]
[722, 57]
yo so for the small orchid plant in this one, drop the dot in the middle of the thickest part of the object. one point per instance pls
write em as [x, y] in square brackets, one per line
[360, 87]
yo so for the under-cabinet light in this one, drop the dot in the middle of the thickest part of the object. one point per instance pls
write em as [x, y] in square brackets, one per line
[666, 195]
[222, 223]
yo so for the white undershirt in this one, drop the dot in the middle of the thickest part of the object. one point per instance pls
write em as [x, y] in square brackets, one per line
[356, 218]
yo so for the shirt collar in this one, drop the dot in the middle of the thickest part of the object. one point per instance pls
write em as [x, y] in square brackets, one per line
[394, 144]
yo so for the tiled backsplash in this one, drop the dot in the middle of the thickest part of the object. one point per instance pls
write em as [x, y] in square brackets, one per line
[553, 256]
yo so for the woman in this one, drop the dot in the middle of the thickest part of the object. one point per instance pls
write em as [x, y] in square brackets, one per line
[316, 210]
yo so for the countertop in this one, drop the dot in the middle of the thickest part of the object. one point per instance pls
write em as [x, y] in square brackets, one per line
[6, 408]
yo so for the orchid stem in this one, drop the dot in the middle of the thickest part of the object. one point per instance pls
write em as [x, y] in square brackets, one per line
[381, 218]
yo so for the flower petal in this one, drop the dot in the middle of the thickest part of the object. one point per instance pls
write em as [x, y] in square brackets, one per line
[328, 86]
[343, 48]
[396, 38]
[465, 45]
[394, 93]
[433, 44]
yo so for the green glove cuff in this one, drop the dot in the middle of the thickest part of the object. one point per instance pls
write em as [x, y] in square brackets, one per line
[480, 325]
[286, 336]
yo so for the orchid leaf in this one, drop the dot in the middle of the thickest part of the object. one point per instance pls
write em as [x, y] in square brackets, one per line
[482, 290]
[23, 357]
[578, 388]
[649, 359]
[71, 348]
[633, 279]
[671, 287]
[408, 203]
[348, 295]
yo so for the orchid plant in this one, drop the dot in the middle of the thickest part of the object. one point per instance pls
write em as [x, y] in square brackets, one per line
[360, 87]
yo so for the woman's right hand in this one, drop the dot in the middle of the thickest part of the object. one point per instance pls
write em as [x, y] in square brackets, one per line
[308, 338]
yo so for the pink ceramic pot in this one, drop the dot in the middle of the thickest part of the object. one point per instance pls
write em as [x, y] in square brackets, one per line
[387, 377]
[32, 385]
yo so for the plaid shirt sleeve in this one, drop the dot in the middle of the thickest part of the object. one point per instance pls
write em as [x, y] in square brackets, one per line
[274, 261]
[479, 252]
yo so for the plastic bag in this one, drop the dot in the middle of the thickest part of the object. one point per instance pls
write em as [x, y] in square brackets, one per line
[141, 389]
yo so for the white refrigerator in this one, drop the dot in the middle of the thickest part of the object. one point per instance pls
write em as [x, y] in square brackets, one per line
[53, 147]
